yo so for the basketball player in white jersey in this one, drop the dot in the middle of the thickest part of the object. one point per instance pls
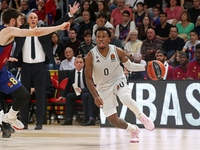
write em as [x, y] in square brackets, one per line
[103, 67]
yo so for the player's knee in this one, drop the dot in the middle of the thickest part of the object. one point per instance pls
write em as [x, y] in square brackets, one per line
[25, 96]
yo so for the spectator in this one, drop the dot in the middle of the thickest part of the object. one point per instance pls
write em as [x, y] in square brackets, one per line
[58, 50]
[50, 11]
[197, 27]
[148, 6]
[186, 4]
[122, 30]
[101, 21]
[193, 69]
[4, 6]
[179, 73]
[155, 19]
[87, 44]
[185, 26]
[139, 75]
[146, 24]
[65, 34]
[103, 8]
[176, 61]
[116, 16]
[33, 4]
[150, 45]
[68, 63]
[77, 77]
[194, 11]
[190, 45]
[173, 44]
[162, 56]
[73, 41]
[41, 11]
[134, 45]
[85, 7]
[163, 30]
[133, 4]
[114, 40]
[173, 11]
[24, 7]
[15, 4]
[85, 25]
[139, 14]
[23, 20]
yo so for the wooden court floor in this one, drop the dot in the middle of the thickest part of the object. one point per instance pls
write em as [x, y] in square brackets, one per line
[76, 137]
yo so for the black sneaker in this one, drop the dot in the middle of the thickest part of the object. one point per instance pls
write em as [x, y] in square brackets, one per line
[7, 130]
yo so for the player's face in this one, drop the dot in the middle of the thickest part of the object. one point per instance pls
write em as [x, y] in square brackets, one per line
[162, 18]
[183, 60]
[102, 39]
[32, 20]
[161, 57]
[79, 63]
[18, 22]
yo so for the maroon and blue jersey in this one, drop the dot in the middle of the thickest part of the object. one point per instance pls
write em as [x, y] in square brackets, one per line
[8, 83]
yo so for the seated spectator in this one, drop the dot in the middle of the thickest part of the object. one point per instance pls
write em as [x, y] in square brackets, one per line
[114, 40]
[190, 45]
[139, 75]
[155, 19]
[68, 63]
[65, 34]
[172, 44]
[194, 11]
[133, 4]
[85, 25]
[116, 16]
[148, 6]
[79, 91]
[176, 61]
[186, 4]
[103, 8]
[163, 30]
[162, 56]
[173, 11]
[58, 50]
[85, 6]
[73, 41]
[87, 44]
[134, 45]
[4, 6]
[15, 4]
[197, 27]
[101, 21]
[185, 26]
[24, 7]
[23, 20]
[122, 30]
[139, 14]
[179, 73]
[142, 30]
[50, 11]
[150, 45]
[193, 69]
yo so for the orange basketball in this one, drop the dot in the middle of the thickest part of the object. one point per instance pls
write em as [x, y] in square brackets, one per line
[155, 70]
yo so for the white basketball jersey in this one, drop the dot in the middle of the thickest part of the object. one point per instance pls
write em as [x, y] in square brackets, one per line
[106, 70]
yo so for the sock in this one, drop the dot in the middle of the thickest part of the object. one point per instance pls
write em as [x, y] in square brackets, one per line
[1, 115]
[12, 114]
[130, 127]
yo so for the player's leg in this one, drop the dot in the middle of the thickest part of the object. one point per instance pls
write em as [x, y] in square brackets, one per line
[124, 94]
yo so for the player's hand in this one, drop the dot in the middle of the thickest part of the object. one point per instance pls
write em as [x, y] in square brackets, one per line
[12, 59]
[65, 26]
[99, 102]
[74, 8]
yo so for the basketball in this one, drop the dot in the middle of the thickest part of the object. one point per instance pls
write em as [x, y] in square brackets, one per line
[155, 70]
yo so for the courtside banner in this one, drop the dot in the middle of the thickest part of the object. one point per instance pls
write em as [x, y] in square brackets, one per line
[170, 104]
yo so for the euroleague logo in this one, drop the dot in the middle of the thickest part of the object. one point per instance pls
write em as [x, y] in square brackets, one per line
[112, 56]
[10, 84]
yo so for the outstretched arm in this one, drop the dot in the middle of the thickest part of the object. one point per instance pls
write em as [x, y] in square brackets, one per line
[127, 63]
[10, 32]
[89, 81]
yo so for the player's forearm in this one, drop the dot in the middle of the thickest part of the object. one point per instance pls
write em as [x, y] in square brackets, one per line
[91, 87]
[46, 30]
[133, 66]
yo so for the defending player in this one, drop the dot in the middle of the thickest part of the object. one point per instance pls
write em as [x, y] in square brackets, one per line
[103, 65]
[8, 83]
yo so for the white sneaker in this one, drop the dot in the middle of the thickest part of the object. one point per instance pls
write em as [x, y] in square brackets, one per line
[15, 123]
[148, 124]
[1, 116]
[135, 135]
